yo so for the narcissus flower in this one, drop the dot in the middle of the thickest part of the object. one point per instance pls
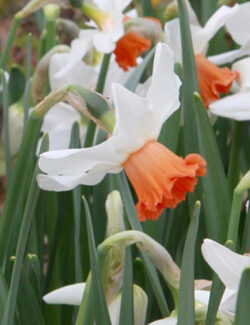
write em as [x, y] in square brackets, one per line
[236, 106]
[160, 178]
[212, 80]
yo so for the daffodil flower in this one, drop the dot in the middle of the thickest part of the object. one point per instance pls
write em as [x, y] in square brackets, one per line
[160, 178]
[229, 267]
[236, 106]
[212, 80]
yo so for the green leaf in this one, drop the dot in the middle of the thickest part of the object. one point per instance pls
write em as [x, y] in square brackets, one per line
[9, 311]
[97, 294]
[216, 293]
[28, 304]
[127, 306]
[216, 197]
[16, 84]
[3, 293]
[242, 315]
[186, 297]
[21, 178]
[75, 143]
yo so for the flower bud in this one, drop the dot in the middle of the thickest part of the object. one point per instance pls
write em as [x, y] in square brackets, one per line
[114, 262]
[157, 253]
[171, 11]
[140, 302]
[244, 184]
[41, 73]
[35, 5]
[51, 11]
[145, 27]
[15, 127]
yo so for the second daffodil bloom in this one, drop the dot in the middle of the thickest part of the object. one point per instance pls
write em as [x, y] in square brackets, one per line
[160, 178]
[213, 80]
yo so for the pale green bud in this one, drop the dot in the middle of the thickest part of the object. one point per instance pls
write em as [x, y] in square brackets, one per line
[35, 5]
[114, 209]
[140, 302]
[15, 127]
[157, 253]
[244, 184]
[171, 11]
[40, 75]
[51, 11]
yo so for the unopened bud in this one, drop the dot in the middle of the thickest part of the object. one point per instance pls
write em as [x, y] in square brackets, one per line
[114, 209]
[171, 11]
[140, 302]
[157, 253]
[51, 11]
[41, 73]
[145, 27]
[15, 127]
[35, 5]
[244, 184]
[114, 262]
[68, 27]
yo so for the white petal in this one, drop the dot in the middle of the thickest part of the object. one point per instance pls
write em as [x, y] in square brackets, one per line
[228, 301]
[77, 74]
[103, 42]
[79, 47]
[236, 107]
[67, 183]
[216, 21]
[68, 295]
[163, 93]
[115, 74]
[239, 24]
[243, 67]
[135, 120]
[165, 321]
[227, 264]
[230, 55]
[202, 296]
[173, 38]
[191, 14]
[76, 162]
[112, 5]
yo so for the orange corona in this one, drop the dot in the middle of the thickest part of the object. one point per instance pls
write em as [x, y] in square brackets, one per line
[213, 80]
[160, 178]
[129, 48]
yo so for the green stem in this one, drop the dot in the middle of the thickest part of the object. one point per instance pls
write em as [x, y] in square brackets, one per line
[233, 227]
[233, 170]
[34, 191]
[6, 130]
[99, 88]
[50, 34]
[11, 36]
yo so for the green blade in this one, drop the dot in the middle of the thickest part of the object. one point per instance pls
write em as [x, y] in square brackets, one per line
[186, 298]
[242, 315]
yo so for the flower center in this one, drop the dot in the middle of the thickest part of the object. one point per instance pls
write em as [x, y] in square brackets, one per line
[213, 80]
[160, 178]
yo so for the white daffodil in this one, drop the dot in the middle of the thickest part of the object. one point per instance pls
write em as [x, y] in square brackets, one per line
[238, 26]
[153, 170]
[212, 80]
[236, 106]
[229, 267]
[72, 295]
[106, 28]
